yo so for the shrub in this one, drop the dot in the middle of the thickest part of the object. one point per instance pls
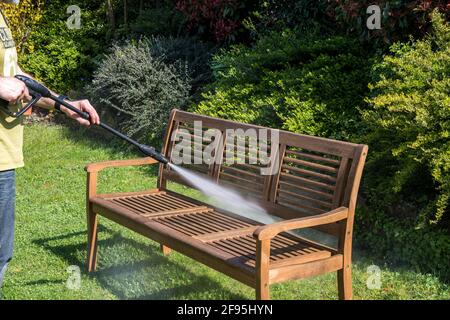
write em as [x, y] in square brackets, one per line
[23, 19]
[400, 243]
[55, 61]
[185, 51]
[64, 58]
[409, 117]
[302, 83]
[158, 18]
[140, 88]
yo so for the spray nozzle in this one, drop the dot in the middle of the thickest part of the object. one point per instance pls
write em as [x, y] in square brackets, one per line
[151, 152]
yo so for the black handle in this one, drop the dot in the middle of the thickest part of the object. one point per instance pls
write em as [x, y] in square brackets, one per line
[36, 91]
[34, 87]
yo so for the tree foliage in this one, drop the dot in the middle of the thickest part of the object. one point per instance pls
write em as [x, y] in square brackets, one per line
[23, 19]
[409, 115]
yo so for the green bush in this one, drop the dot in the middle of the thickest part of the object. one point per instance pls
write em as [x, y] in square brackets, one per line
[158, 19]
[64, 58]
[303, 83]
[188, 52]
[56, 60]
[409, 121]
[399, 242]
[141, 89]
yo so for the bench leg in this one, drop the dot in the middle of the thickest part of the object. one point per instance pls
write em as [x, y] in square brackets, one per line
[345, 283]
[262, 269]
[165, 250]
[92, 241]
[262, 290]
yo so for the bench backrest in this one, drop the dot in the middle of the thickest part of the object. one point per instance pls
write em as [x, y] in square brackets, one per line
[314, 175]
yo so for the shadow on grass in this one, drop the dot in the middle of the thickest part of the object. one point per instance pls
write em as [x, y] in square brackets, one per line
[133, 270]
[42, 282]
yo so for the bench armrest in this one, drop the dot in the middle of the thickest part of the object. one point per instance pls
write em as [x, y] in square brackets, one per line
[271, 230]
[99, 166]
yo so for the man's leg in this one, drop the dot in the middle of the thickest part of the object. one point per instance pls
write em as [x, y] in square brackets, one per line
[7, 206]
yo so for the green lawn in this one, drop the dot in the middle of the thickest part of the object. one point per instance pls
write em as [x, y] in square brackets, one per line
[50, 237]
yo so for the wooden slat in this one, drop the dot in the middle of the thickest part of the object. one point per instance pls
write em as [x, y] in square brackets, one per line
[306, 270]
[300, 187]
[167, 148]
[303, 197]
[215, 225]
[284, 200]
[317, 144]
[244, 189]
[227, 234]
[126, 194]
[311, 164]
[152, 202]
[175, 221]
[251, 161]
[238, 150]
[300, 259]
[193, 136]
[177, 212]
[243, 172]
[122, 203]
[307, 181]
[341, 181]
[255, 168]
[309, 173]
[313, 157]
[208, 225]
[198, 168]
[238, 179]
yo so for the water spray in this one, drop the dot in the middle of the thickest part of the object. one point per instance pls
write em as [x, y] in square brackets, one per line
[38, 91]
[225, 198]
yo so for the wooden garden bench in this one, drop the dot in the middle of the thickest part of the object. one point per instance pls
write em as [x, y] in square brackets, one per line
[314, 186]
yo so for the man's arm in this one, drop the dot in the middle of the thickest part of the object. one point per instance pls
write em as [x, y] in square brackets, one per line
[83, 105]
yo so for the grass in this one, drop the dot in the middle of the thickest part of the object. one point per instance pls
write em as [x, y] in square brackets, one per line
[51, 237]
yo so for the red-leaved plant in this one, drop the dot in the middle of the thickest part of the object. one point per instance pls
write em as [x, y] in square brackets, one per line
[399, 17]
[219, 18]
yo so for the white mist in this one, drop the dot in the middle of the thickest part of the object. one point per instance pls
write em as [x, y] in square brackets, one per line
[225, 198]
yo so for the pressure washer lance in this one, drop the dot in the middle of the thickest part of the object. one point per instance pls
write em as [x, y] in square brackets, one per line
[38, 91]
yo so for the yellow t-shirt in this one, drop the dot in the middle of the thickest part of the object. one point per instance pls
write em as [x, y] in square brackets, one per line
[11, 129]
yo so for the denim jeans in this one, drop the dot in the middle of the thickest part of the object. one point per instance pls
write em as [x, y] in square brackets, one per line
[7, 206]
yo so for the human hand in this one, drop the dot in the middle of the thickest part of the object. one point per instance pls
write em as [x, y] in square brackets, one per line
[13, 90]
[85, 106]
